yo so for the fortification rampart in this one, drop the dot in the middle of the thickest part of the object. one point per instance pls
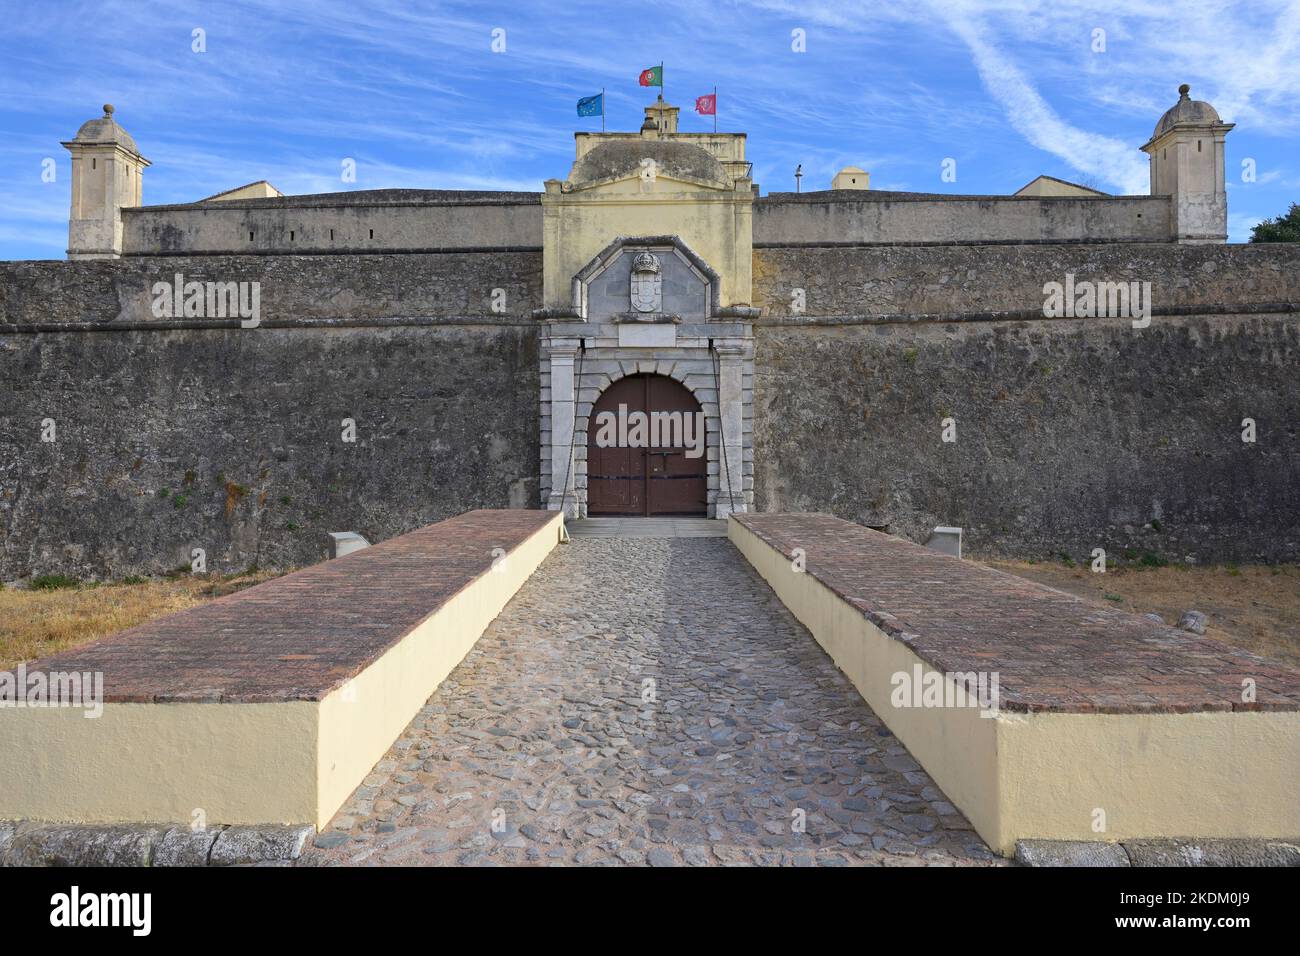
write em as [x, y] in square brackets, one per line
[394, 220]
[175, 433]
[861, 217]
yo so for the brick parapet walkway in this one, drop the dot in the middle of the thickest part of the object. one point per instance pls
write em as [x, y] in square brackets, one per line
[1051, 650]
[300, 636]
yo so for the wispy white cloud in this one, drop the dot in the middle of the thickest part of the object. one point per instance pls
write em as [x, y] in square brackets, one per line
[288, 88]
[1240, 55]
[1092, 153]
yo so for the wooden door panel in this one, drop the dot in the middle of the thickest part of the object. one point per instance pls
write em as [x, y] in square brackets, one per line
[657, 480]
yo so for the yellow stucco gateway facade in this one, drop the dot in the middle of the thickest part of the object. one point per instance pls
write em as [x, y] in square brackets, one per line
[656, 182]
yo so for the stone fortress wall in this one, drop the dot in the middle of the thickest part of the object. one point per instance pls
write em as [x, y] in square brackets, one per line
[414, 220]
[1072, 433]
[832, 336]
[383, 220]
[860, 216]
[174, 434]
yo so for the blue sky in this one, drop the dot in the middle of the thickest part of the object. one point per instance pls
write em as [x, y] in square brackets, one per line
[413, 92]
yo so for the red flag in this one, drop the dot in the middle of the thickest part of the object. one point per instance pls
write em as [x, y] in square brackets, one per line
[707, 105]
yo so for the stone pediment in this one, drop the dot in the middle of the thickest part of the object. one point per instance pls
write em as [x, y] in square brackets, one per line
[635, 160]
[654, 279]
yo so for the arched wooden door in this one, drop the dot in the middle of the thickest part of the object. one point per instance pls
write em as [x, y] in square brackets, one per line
[646, 450]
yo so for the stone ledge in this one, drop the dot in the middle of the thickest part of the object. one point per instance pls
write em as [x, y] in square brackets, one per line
[25, 843]
[1172, 852]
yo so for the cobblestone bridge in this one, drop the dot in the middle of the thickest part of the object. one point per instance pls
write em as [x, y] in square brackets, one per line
[647, 701]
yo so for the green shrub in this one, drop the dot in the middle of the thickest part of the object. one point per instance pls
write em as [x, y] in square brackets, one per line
[53, 582]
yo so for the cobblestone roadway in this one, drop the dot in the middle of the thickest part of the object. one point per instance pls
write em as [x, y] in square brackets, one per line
[543, 728]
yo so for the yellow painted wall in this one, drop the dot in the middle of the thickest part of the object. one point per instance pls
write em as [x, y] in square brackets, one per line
[238, 763]
[258, 190]
[1040, 776]
[292, 762]
[1047, 186]
[957, 747]
[360, 721]
[716, 224]
[1222, 774]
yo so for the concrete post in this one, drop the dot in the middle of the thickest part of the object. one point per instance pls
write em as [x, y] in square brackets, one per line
[562, 353]
[731, 422]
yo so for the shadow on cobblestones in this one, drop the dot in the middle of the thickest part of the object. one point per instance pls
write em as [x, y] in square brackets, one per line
[647, 701]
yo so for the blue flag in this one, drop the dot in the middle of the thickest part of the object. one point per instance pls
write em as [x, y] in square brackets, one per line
[592, 105]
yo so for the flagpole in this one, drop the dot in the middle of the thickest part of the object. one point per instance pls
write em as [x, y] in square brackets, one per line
[715, 109]
[662, 82]
[602, 109]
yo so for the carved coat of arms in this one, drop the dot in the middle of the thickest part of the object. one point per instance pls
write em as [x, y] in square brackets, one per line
[647, 283]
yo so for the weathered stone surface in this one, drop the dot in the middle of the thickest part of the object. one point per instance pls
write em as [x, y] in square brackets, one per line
[1072, 434]
[182, 846]
[1069, 853]
[1193, 621]
[337, 287]
[327, 841]
[949, 280]
[259, 844]
[860, 215]
[246, 459]
[1213, 852]
[1057, 451]
[74, 845]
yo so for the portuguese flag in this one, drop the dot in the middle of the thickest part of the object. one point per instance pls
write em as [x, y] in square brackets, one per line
[654, 76]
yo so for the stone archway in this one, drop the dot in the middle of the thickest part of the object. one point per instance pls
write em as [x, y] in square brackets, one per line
[687, 336]
[647, 450]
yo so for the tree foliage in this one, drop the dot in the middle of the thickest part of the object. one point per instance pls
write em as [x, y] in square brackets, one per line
[1282, 229]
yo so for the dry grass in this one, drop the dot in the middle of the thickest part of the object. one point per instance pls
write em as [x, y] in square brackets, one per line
[39, 623]
[1256, 607]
